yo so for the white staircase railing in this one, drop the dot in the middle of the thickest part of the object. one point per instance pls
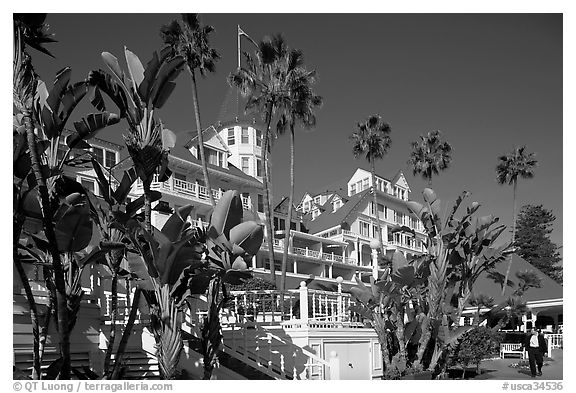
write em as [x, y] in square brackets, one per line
[253, 323]
[272, 355]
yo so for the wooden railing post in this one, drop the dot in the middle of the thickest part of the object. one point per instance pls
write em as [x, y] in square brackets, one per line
[303, 302]
[334, 366]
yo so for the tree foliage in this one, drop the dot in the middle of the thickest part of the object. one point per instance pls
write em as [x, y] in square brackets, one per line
[430, 155]
[476, 345]
[533, 240]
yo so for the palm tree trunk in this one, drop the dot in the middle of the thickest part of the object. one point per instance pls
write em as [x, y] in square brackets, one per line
[289, 218]
[266, 184]
[375, 201]
[48, 225]
[113, 315]
[126, 334]
[513, 236]
[200, 137]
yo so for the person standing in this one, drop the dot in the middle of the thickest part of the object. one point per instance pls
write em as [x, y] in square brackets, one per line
[536, 346]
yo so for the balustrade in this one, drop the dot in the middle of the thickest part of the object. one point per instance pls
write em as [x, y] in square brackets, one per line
[190, 189]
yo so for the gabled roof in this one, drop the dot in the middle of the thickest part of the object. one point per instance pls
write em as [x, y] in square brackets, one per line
[549, 289]
[330, 219]
[400, 179]
[209, 134]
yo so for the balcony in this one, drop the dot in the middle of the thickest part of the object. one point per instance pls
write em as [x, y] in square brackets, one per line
[186, 189]
[305, 252]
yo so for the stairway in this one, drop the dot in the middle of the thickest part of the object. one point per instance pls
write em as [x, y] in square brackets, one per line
[139, 365]
[23, 360]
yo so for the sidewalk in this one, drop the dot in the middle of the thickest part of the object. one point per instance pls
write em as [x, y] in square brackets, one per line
[499, 369]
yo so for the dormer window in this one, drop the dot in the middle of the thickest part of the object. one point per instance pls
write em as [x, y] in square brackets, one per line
[352, 189]
[105, 157]
[214, 157]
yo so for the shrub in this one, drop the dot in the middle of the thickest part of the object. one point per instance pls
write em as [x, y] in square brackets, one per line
[476, 345]
[254, 284]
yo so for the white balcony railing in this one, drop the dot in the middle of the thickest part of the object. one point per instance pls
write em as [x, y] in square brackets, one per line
[188, 189]
[330, 257]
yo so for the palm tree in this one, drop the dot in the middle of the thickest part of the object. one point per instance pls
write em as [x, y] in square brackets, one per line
[300, 109]
[480, 301]
[265, 80]
[517, 164]
[372, 140]
[430, 155]
[189, 39]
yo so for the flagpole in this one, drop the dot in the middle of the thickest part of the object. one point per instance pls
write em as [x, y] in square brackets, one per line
[238, 46]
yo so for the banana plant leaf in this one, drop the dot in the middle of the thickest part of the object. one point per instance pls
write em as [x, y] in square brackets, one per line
[73, 229]
[89, 126]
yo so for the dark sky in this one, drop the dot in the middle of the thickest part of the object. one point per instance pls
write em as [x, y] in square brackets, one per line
[489, 82]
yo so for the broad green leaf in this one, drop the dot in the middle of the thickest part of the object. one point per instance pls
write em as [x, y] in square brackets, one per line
[175, 223]
[226, 215]
[112, 62]
[74, 229]
[135, 68]
[248, 235]
[168, 138]
[429, 195]
[89, 126]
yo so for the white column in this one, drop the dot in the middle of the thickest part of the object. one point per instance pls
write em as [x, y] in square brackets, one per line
[303, 302]
[375, 245]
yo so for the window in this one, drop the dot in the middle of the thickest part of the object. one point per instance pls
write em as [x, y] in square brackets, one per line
[258, 167]
[372, 210]
[88, 184]
[110, 158]
[282, 224]
[397, 238]
[260, 203]
[98, 155]
[244, 135]
[365, 183]
[292, 226]
[231, 137]
[317, 199]
[246, 164]
[211, 156]
[364, 229]
[352, 189]
[374, 231]
[359, 186]
[258, 138]
[381, 213]
[315, 213]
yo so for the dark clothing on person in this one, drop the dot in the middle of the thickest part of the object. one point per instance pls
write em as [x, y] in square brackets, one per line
[536, 354]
